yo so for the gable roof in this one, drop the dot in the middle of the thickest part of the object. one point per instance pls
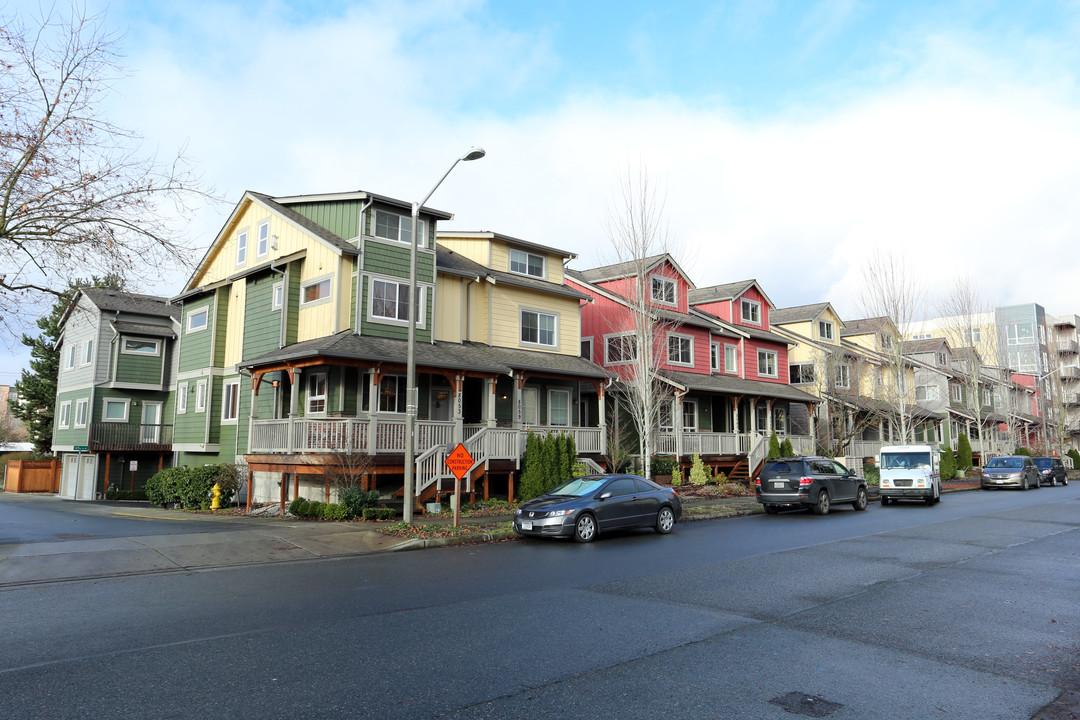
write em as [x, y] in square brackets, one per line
[801, 313]
[727, 291]
[489, 235]
[864, 326]
[629, 268]
[448, 261]
[925, 345]
[136, 303]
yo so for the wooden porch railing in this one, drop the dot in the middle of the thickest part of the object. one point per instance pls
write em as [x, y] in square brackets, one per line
[130, 437]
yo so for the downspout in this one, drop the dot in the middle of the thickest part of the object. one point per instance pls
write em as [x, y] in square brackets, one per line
[284, 299]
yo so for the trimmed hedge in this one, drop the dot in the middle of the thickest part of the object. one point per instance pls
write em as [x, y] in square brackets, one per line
[125, 495]
[191, 487]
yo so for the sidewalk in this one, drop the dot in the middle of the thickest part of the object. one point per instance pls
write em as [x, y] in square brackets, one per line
[256, 540]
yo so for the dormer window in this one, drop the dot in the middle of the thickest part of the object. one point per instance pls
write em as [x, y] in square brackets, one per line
[942, 359]
[751, 312]
[526, 263]
[663, 290]
[825, 329]
[886, 341]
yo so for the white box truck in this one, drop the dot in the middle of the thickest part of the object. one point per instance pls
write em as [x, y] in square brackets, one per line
[909, 472]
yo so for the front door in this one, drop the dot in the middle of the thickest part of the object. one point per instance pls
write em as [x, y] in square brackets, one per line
[439, 403]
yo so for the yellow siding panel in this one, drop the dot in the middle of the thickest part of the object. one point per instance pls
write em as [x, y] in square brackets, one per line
[505, 318]
[473, 248]
[234, 329]
[449, 309]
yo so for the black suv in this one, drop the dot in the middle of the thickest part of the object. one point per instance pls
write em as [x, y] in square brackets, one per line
[809, 482]
[1051, 471]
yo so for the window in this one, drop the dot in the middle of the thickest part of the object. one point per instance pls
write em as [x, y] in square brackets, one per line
[390, 226]
[526, 263]
[200, 396]
[925, 393]
[529, 415]
[843, 376]
[921, 336]
[198, 319]
[69, 357]
[680, 350]
[942, 359]
[956, 392]
[762, 418]
[316, 291]
[80, 413]
[115, 410]
[389, 300]
[64, 415]
[1042, 334]
[230, 401]
[886, 341]
[689, 415]
[751, 312]
[801, 373]
[1019, 334]
[586, 348]
[262, 239]
[279, 296]
[714, 356]
[537, 328]
[181, 398]
[779, 422]
[620, 349]
[972, 336]
[825, 330]
[316, 399]
[140, 347]
[392, 392]
[663, 290]
[986, 398]
[241, 248]
[87, 352]
[731, 359]
[767, 363]
[559, 407]
[666, 416]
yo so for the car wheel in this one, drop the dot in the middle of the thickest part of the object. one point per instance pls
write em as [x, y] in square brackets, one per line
[1053, 482]
[860, 500]
[821, 507]
[585, 528]
[1024, 484]
[885, 500]
[937, 493]
[1065, 481]
[665, 520]
[929, 499]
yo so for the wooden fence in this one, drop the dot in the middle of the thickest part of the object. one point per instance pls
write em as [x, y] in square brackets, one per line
[25, 476]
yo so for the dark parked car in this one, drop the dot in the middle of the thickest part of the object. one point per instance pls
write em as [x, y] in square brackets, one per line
[1051, 471]
[1010, 471]
[808, 482]
[588, 505]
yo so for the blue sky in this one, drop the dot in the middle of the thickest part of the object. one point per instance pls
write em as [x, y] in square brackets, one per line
[791, 139]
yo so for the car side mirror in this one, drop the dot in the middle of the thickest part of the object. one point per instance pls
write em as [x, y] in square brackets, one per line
[604, 496]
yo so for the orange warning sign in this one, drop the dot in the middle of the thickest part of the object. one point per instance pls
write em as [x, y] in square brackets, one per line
[459, 461]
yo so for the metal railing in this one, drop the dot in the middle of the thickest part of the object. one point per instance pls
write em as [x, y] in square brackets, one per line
[130, 436]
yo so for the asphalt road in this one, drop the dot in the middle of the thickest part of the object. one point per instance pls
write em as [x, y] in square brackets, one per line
[963, 610]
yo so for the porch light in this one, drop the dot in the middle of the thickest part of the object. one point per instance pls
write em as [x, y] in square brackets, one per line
[410, 364]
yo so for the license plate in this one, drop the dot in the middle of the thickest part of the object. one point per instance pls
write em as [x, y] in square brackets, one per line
[1000, 482]
[526, 524]
[781, 484]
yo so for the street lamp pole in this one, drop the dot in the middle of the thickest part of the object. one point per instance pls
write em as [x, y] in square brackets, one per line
[411, 391]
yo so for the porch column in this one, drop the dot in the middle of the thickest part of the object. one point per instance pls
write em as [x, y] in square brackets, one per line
[254, 415]
[735, 414]
[515, 417]
[601, 411]
[373, 413]
[676, 426]
[753, 415]
[810, 409]
[295, 377]
[769, 429]
[490, 403]
[459, 417]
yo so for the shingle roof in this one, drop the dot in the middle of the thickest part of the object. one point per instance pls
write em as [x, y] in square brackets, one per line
[734, 385]
[925, 345]
[117, 301]
[726, 291]
[863, 326]
[606, 273]
[144, 329]
[798, 313]
[449, 261]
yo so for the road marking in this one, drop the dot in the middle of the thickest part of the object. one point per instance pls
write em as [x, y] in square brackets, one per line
[148, 517]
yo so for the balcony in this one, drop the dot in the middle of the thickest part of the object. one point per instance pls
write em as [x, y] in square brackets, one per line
[713, 443]
[1068, 347]
[125, 437]
[1070, 372]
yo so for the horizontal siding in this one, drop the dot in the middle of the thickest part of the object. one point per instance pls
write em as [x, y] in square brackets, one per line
[195, 346]
[262, 324]
[507, 303]
[131, 368]
[234, 323]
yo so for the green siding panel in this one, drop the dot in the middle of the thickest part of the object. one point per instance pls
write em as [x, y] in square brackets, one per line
[262, 324]
[341, 217]
[195, 347]
[131, 368]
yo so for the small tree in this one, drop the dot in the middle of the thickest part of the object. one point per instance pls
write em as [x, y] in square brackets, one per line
[786, 450]
[532, 483]
[963, 452]
[698, 476]
[1075, 455]
[774, 447]
[948, 465]
[551, 462]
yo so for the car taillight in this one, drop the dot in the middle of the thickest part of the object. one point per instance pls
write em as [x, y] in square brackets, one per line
[757, 481]
[806, 481]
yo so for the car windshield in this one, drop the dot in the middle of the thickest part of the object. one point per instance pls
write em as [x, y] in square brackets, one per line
[895, 461]
[1008, 462]
[1044, 463]
[578, 487]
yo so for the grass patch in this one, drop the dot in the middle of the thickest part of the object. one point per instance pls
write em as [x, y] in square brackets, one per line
[484, 508]
[427, 532]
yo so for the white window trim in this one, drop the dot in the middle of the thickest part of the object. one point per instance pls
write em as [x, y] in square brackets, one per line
[277, 295]
[692, 404]
[181, 398]
[87, 349]
[742, 311]
[241, 247]
[828, 325]
[200, 396]
[716, 354]
[325, 397]
[126, 402]
[64, 415]
[845, 371]
[262, 244]
[680, 336]
[611, 336]
[552, 392]
[776, 363]
[226, 406]
[956, 393]
[733, 367]
[421, 316]
[664, 282]
[535, 419]
[311, 282]
[83, 405]
[195, 313]
[125, 351]
[510, 263]
[799, 365]
[538, 313]
[419, 221]
[69, 356]
[592, 347]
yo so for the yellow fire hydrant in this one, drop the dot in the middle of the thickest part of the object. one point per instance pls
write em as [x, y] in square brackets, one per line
[215, 504]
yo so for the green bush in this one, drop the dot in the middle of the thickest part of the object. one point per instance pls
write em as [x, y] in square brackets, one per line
[774, 447]
[191, 486]
[676, 475]
[871, 473]
[662, 464]
[297, 506]
[355, 500]
[948, 465]
[334, 511]
[532, 484]
[125, 495]
[698, 476]
[963, 453]
[786, 450]
[1075, 455]
[373, 513]
[1022, 451]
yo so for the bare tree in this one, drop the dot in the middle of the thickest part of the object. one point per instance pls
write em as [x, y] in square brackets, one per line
[637, 233]
[347, 469]
[965, 311]
[78, 196]
[843, 415]
[892, 290]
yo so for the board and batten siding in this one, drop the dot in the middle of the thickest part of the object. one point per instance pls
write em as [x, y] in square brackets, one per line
[341, 217]
[234, 323]
[450, 309]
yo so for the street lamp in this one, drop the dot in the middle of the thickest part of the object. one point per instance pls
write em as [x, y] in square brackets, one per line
[411, 391]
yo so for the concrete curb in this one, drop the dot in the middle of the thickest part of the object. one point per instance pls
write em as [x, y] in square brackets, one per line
[424, 543]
